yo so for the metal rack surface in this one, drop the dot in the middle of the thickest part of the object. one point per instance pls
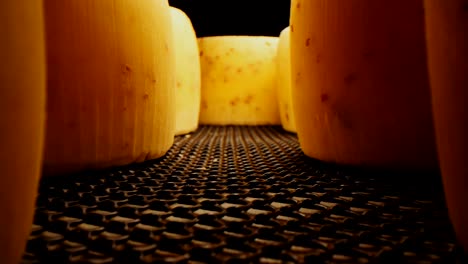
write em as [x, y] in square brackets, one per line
[240, 194]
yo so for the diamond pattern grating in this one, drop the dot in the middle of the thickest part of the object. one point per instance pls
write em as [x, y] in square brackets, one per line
[239, 194]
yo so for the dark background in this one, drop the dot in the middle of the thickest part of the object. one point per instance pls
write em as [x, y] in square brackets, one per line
[231, 17]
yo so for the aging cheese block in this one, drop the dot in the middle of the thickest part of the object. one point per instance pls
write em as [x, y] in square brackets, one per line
[22, 113]
[360, 83]
[111, 77]
[447, 41]
[188, 76]
[239, 80]
[284, 82]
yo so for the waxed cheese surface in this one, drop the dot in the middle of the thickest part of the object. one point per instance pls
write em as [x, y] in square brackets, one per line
[188, 75]
[110, 89]
[285, 101]
[22, 113]
[447, 47]
[361, 93]
[239, 80]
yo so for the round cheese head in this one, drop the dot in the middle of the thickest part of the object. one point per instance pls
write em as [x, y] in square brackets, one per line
[110, 83]
[360, 84]
[22, 113]
[284, 82]
[188, 76]
[239, 80]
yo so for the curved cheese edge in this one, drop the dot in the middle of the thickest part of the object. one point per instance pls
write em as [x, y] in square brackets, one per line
[355, 101]
[239, 80]
[284, 82]
[447, 49]
[111, 98]
[22, 113]
[188, 73]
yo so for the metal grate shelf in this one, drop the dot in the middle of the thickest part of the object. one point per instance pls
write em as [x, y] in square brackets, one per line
[238, 194]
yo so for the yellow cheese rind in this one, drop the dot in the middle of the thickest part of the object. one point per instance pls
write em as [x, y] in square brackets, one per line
[360, 84]
[111, 98]
[239, 80]
[188, 73]
[22, 112]
[284, 82]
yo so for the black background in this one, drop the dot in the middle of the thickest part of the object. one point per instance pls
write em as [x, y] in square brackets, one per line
[231, 17]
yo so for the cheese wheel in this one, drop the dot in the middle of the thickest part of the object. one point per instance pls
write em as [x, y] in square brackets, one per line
[239, 80]
[111, 77]
[22, 113]
[188, 74]
[284, 82]
[360, 84]
[447, 41]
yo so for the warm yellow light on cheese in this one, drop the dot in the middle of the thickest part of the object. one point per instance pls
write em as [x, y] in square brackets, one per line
[22, 113]
[284, 82]
[188, 74]
[239, 80]
[360, 85]
[110, 83]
